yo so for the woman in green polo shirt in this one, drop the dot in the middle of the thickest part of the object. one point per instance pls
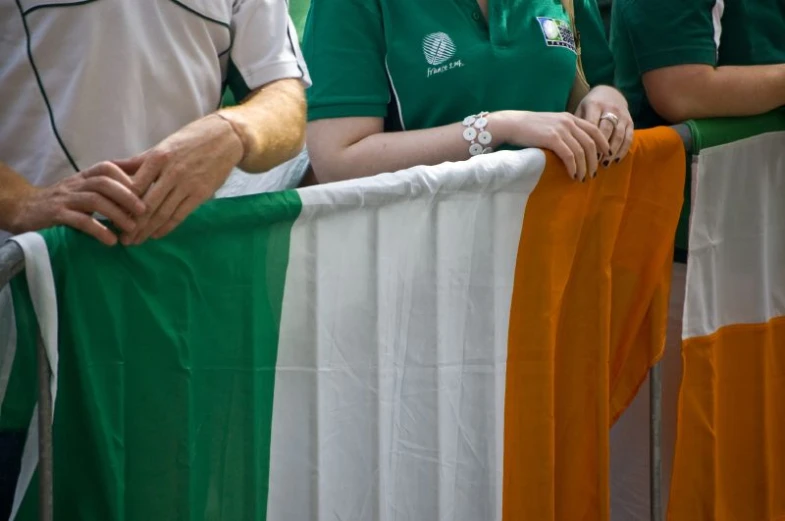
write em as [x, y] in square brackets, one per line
[431, 69]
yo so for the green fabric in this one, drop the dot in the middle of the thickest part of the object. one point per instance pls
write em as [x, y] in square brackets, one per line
[236, 83]
[652, 34]
[190, 394]
[709, 133]
[363, 54]
[298, 10]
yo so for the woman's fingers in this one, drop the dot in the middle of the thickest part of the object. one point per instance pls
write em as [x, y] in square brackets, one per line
[608, 131]
[629, 135]
[600, 141]
[566, 154]
[576, 142]
[617, 140]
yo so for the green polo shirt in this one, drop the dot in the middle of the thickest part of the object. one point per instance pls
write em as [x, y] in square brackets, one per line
[426, 63]
[651, 34]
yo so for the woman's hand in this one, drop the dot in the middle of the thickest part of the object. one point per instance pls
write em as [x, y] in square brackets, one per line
[599, 108]
[577, 142]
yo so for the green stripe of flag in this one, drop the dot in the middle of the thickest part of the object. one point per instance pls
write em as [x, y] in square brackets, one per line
[165, 377]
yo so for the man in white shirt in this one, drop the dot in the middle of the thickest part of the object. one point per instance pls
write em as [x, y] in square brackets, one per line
[109, 107]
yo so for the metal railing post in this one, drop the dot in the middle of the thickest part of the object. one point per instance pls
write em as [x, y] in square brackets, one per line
[45, 464]
[655, 442]
[12, 262]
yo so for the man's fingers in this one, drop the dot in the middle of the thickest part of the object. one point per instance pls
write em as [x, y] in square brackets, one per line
[147, 174]
[110, 170]
[162, 216]
[183, 211]
[118, 193]
[153, 200]
[92, 202]
[130, 166]
[88, 225]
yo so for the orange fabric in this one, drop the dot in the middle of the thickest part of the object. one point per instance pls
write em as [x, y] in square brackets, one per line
[587, 321]
[730, 456]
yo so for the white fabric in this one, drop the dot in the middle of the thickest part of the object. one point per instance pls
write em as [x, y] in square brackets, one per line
[738, 227]
[119, 76]
[283, 177]
[403, 419]
[40, 280]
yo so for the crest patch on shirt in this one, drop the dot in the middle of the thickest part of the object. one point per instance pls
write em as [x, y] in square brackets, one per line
[557, 33]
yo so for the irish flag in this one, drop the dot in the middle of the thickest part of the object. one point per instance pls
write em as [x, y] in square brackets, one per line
[730, 452]
[448, 342]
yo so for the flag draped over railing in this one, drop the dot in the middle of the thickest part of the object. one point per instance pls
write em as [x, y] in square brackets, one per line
[443, 342]
[730, 451]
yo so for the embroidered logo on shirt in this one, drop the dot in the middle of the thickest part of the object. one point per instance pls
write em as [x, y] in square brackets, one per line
[557, 33]
[438, 49]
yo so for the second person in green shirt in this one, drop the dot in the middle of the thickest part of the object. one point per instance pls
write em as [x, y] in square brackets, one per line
[400, 83]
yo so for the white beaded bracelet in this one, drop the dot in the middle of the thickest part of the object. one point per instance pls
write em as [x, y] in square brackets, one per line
[477, 134]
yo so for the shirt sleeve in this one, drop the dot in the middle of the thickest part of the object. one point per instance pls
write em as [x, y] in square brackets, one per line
[264, 46]
[344, 43]
[665, 33]
[595, 52]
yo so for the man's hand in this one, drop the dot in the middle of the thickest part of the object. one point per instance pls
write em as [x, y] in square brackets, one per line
[180, 173]
[103, 188]
[187, 168]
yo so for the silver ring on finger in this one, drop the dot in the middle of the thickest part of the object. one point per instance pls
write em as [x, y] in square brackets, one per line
[610, 116]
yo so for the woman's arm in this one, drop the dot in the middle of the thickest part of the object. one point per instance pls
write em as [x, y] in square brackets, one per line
[346, 148]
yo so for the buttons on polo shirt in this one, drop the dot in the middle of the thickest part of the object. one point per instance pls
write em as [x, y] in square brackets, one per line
[476, 16]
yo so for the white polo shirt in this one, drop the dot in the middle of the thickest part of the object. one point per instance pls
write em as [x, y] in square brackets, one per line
[88, 81]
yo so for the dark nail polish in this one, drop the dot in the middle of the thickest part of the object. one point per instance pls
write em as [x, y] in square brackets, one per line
[610, 152]
[618, 159]
[594, 174]
[599, 156]
[606, 163]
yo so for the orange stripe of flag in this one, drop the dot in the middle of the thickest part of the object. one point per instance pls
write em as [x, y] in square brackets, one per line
[587, 317]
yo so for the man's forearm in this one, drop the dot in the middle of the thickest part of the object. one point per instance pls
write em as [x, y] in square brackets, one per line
[13, 189]
[271, 124]
[701, 91]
